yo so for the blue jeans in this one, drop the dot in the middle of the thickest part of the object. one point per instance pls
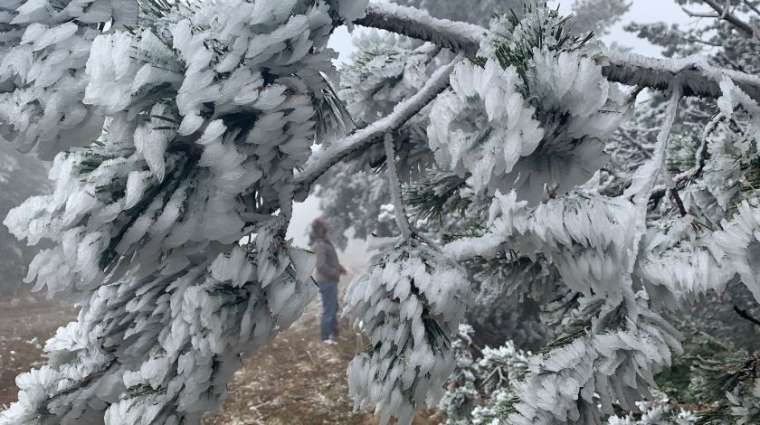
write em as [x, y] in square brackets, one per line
[329, 324]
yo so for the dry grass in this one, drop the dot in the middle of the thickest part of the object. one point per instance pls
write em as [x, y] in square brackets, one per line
[26, 322]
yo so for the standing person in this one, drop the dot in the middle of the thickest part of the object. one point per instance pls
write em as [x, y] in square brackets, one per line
[327, 275]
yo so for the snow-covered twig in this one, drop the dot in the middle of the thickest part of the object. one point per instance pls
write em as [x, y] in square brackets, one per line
[702, 153]
[681, 180]
[698, 78]
[631, 141]
[373, 133]
[457, 36]
[394, 186]
[663, 138]
[647, 175]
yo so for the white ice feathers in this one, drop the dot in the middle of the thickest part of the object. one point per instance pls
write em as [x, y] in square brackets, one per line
[409, 305]
[483, 125]
[208, 113]
[43, 53]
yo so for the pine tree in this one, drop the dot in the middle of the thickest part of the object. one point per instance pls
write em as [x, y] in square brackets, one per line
[21, 176]
[180, 129]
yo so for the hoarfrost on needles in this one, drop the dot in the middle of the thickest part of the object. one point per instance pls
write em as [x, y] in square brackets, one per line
[178, 131]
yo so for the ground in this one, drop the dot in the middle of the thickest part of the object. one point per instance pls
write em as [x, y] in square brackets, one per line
[295, 380]
[26, 322]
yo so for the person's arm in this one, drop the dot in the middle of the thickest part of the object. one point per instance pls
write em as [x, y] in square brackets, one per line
[339, 267]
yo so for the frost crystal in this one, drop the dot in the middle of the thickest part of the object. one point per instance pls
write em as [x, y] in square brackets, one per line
[483, 126]
[534, 118]
[409, 304]
[181, 128]
[43, 53]
[208, 115]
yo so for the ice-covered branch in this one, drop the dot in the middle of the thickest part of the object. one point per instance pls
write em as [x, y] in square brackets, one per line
[394, 186]
[373, 133]
[698, 78]
[725, 14]
[458, 36]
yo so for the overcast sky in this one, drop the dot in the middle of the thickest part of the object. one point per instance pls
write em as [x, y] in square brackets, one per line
[642, 11]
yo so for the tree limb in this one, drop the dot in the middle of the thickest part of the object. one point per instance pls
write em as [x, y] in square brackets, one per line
[697, 77]
[744, 314]
[752, 6]
[631, 141]
[458, 36]
[373, 133]
[394, 186]
[732, 19]
[692, 14]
